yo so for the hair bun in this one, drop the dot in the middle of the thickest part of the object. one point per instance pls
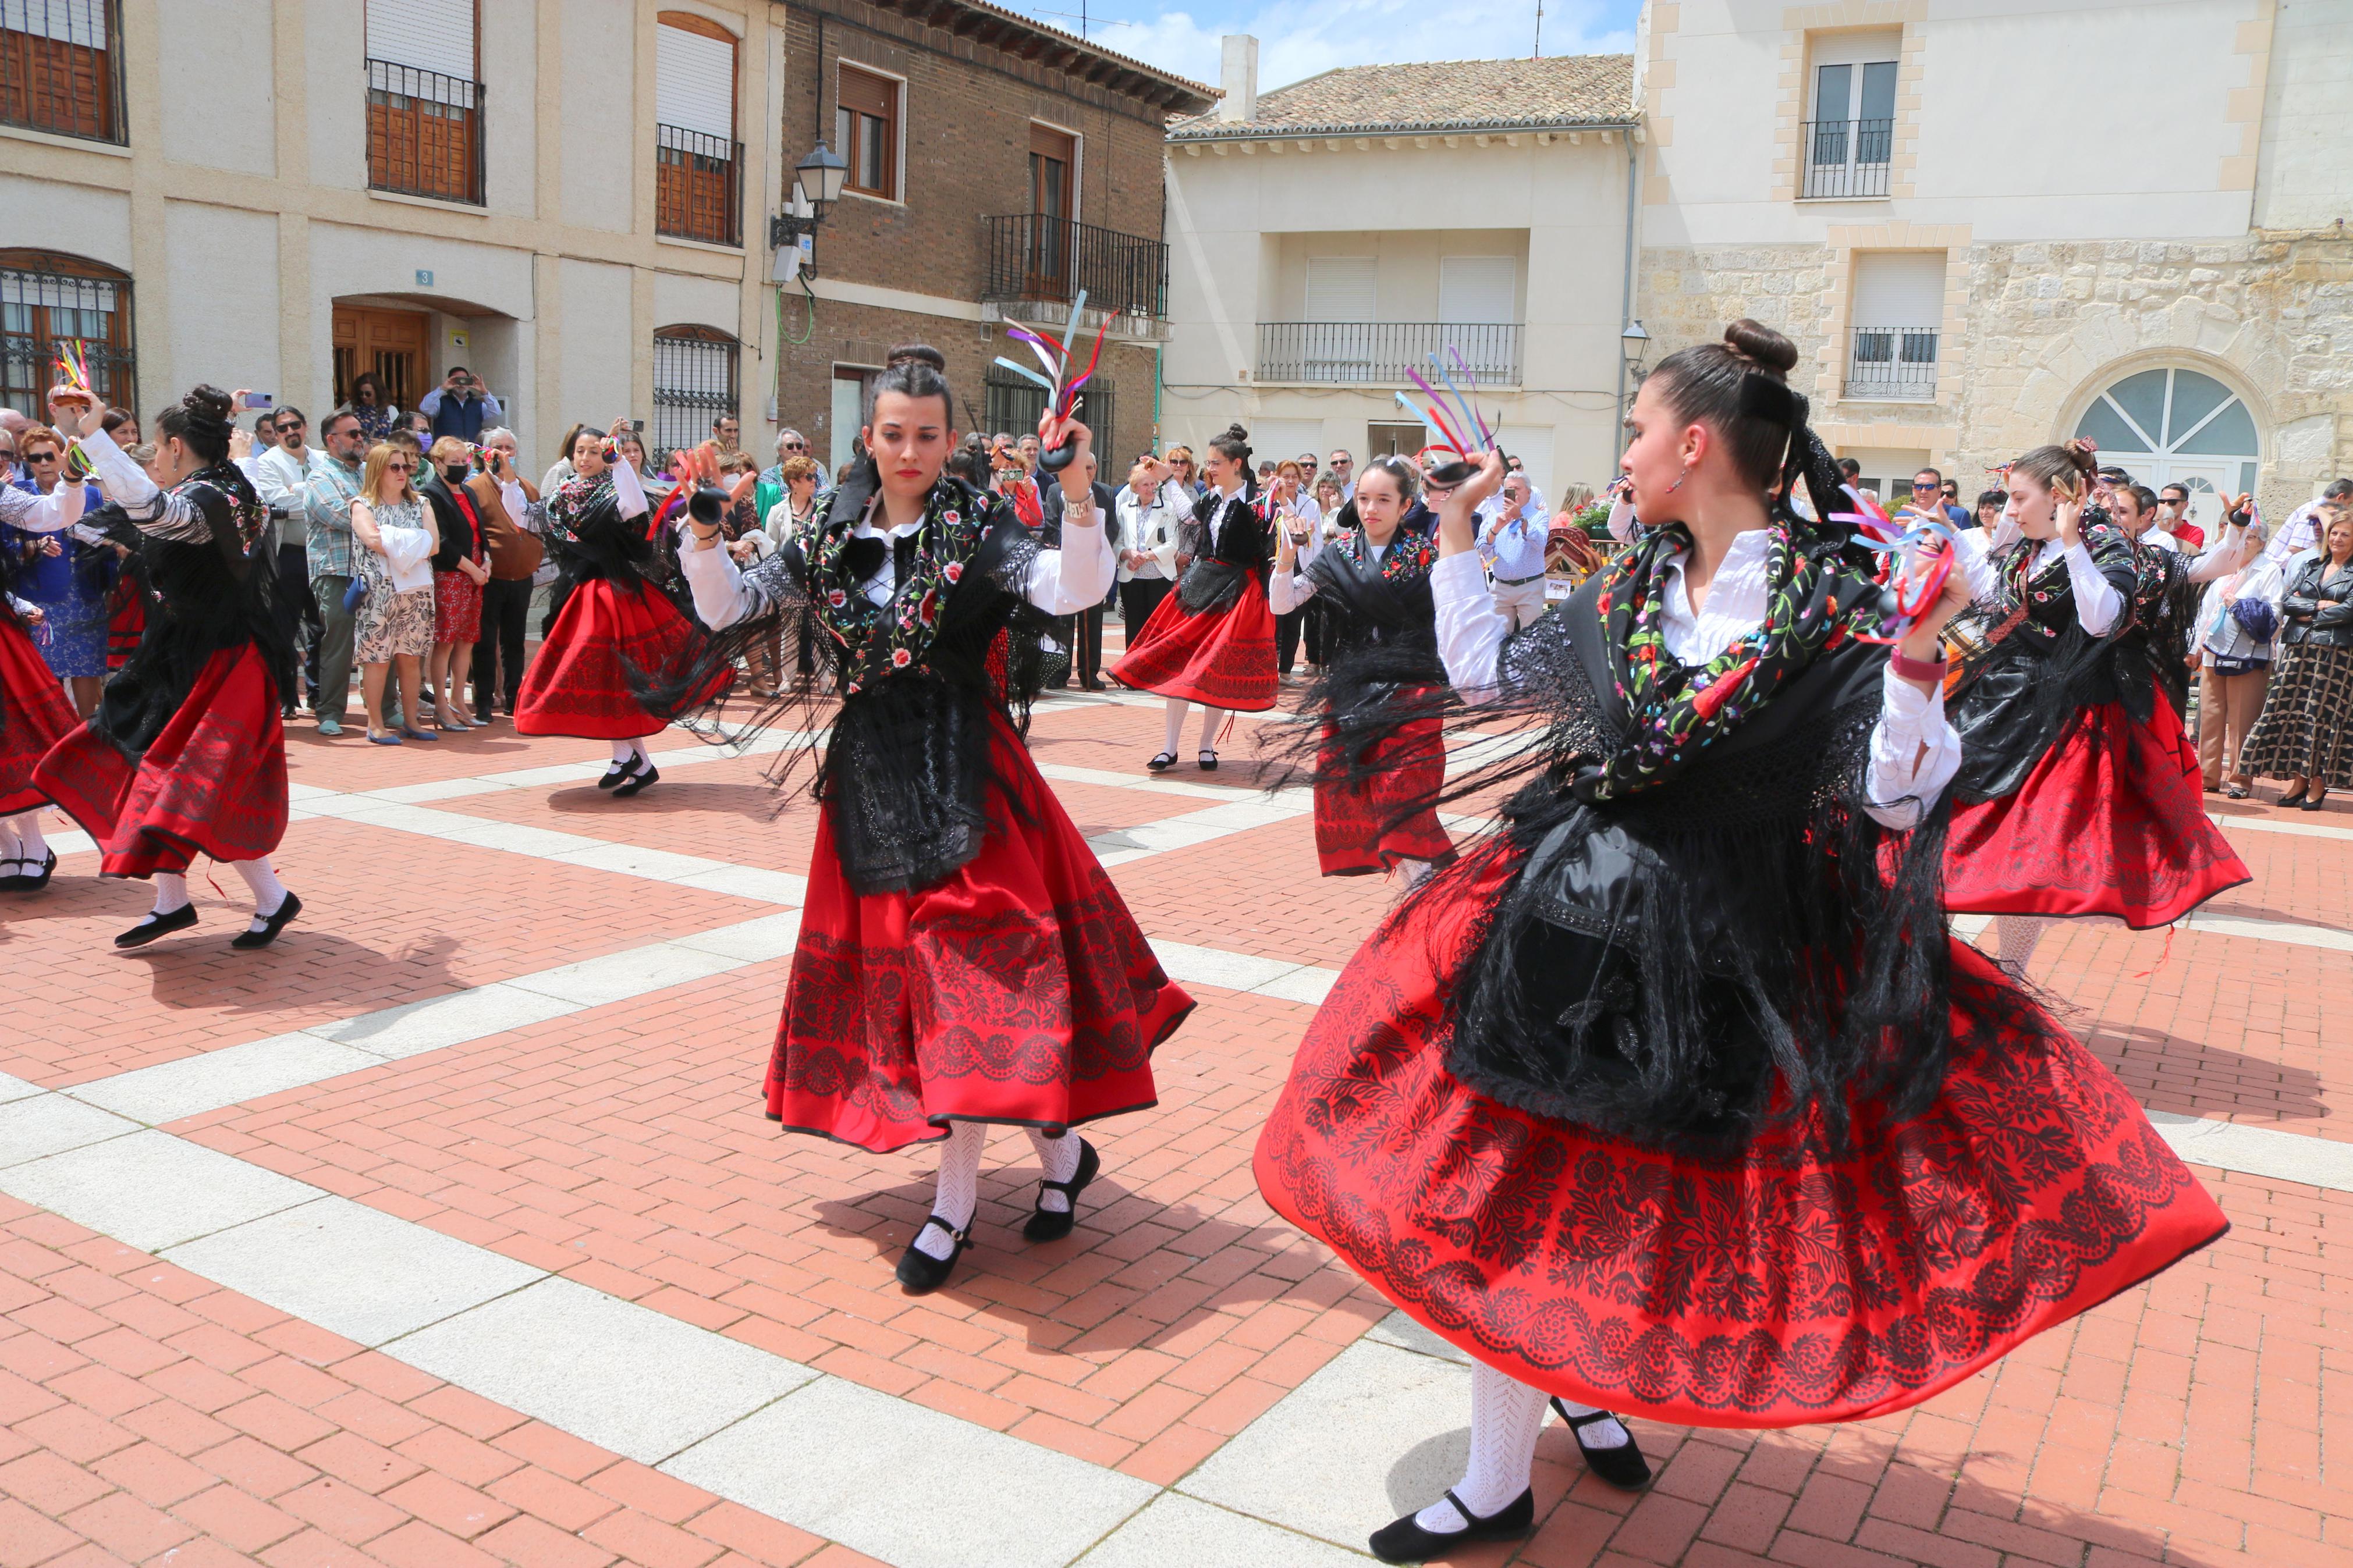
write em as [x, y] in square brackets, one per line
[1761, 346]
[207, 402]
[1236, 433]
[2083, 453]
[923, 353]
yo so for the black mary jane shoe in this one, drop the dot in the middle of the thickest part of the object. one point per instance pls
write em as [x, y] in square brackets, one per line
[1052, 1224]
[1405, 1541]
[157, 925]
[635, 782]
[29, 881]
[921, 1273]
[271, 925]
[1623, 1467]
[617, 773]
[1209, 762]
[1162, 762]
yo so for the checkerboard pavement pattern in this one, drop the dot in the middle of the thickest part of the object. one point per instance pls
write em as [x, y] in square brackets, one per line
[150, 1416]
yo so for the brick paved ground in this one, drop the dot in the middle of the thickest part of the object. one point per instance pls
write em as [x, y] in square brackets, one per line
[151, 1416]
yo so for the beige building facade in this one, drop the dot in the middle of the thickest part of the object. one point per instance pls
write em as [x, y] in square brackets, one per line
[283, 193]
[1987, 225]
[1990, 226]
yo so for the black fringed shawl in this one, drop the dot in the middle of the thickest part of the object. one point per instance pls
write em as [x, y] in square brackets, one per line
[909, 759]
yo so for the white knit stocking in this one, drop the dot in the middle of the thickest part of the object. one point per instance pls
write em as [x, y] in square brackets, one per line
[625, 752]
[1210, 719]
[2017, 935]
[1174, 724]
[268, 892]
[1505, 1416]
[171, 892]
[30, 843]
[959, 1191]
[10, 846]
[1060, 1156]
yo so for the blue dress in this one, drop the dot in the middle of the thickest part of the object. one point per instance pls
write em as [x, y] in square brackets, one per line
[70, 587]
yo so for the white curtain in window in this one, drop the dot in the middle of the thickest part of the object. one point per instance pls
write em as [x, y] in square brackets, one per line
[79, 22]
[694, 82]
[430, 34]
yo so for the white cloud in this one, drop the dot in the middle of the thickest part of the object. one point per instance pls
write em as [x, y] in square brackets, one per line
[1303, 39]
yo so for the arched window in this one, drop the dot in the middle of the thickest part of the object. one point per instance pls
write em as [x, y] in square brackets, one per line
[694, 383]
[47, 298]
[2177, 426]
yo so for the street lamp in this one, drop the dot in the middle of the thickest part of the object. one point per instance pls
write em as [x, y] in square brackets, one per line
[818, 186]
[1632, 344]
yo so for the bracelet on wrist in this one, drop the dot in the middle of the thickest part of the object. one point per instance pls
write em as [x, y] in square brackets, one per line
[1911, 668]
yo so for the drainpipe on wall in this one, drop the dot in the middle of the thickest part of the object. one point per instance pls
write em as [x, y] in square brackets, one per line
[1626, 299]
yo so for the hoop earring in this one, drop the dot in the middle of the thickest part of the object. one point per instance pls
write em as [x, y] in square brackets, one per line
[1679, 480]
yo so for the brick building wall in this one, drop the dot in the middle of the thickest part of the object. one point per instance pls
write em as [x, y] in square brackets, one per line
[966, 111]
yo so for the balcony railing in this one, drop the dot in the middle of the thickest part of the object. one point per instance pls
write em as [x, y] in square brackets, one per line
[1037, 257]
[1847, 157]
[698, 186]
[425, 133]
[61, 68]
[1377, 354]
[1892, 364]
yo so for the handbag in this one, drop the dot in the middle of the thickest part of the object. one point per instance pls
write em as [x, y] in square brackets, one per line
[355, 593]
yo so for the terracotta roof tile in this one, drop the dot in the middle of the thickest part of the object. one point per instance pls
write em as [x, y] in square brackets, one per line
[1439, 95]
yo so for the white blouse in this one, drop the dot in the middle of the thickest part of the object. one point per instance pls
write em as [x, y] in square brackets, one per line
[1915, 752]
[1060, 582]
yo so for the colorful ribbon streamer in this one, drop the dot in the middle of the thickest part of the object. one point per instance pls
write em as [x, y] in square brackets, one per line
[1917, 560]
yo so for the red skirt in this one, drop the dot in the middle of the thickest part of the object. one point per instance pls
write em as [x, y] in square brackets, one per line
[34, 716]
[1779, 1288]
[457, 608]
[1017, 990]
[214, 782]
[575, 685]
[1359, 827]
[126, 622]
[1224, 659]
[2110, 822]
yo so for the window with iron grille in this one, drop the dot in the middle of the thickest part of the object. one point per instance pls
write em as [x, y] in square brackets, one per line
[424, 99]
[698, 163]
[47, 299]
[61, 67]
[1013, 405]
[694, 384]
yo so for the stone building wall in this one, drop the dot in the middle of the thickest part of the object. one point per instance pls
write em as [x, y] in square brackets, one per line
[2034, 330]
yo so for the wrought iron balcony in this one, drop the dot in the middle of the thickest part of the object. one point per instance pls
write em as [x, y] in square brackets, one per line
[1377, 354]
[1891, 365]
[1847, 157]
[425, 133]
[1038, 260]
[698, 186]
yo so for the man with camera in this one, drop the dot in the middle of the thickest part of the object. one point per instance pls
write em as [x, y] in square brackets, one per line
[461, 407]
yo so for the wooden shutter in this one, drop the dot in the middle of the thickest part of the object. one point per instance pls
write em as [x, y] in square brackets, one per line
[869, 93]
[694, 81]
[431, 35]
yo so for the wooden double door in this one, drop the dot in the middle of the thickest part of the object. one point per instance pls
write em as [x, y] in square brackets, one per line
[392, 343]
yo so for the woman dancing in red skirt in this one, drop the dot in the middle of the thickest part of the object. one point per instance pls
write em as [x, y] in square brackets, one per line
[1675, 1095]
[613, 618]
[1212, 640]
[1372, 810]
[187, 754]
[34, 713]
[963, 958]
[2079, 793]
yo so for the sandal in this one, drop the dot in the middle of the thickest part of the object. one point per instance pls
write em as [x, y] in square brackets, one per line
[1053, 1224]
[1162, 762]
[2236, 792]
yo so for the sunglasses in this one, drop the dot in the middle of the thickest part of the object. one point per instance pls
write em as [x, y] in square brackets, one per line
[1918, 486]
[40, 456]
[796, 446]
[400, 468]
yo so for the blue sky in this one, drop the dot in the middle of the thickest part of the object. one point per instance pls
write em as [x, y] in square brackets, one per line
[1301, 37]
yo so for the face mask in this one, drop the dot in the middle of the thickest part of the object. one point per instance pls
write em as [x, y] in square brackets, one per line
[454, 473]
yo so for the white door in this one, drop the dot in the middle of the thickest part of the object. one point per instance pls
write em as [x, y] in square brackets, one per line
[2209, 479]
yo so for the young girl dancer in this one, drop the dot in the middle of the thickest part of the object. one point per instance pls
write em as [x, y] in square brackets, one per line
[1676, 1097]
[186, 754]
[1372, 810]
[1212, 640]
[963, 959]
[34, 713]
[2078, 793]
